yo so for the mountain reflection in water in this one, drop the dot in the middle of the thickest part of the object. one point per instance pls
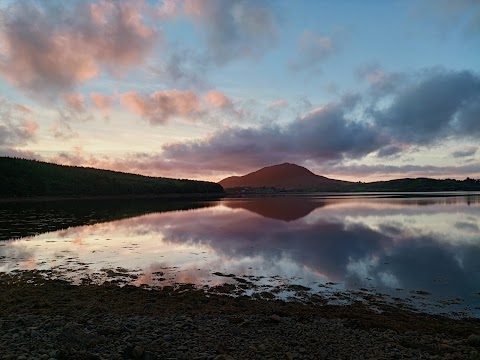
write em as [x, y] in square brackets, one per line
[430, 244]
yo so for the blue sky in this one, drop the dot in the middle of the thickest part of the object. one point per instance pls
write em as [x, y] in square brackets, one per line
[211, 88]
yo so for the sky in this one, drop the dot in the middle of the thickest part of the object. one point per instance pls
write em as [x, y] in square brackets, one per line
[205, 89]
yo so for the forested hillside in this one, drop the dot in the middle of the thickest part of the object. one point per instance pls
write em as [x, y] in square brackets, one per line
[419, 184]
[28, 178]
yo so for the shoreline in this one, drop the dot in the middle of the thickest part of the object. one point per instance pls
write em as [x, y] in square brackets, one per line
[110, 322]
[114, 197]
[231, 195]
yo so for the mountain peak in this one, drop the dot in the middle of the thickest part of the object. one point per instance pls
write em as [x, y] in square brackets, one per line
[280, 176]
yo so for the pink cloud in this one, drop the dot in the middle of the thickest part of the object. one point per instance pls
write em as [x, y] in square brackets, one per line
[277, 104]
[76, 102]
[160, 106]
[102, 102]
[45, 53]
[29, 127]
[218, 100]
[17, 127]
[19, 153]
[23, 108]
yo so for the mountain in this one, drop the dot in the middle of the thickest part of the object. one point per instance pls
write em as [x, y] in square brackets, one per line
[30, 178]
[293, 177]
[283, 176]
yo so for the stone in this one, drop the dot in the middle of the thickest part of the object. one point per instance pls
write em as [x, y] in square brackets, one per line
[148, 355]
[473, 340]
[168, 337]
[323, 354]
[288, 356]
[221, 348]
[223, 357]
[275, 318]
[137, 352]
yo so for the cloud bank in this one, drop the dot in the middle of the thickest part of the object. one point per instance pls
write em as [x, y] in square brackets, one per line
[422, 111]
[437, 105]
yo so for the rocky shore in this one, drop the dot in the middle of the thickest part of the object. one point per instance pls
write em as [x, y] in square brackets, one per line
[47, 319]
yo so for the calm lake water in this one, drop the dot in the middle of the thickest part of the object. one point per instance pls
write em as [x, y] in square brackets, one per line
[419, 250]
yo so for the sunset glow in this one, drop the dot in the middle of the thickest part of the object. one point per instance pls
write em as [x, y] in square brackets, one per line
[205, 89]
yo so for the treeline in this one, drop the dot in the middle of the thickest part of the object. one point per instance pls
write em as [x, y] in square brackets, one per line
[29, 178]
[398, 185]
[418, 184]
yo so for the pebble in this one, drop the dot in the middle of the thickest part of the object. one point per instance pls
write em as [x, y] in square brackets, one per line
[275, 318]
[137, 352]
[156, 337]
[473, 340]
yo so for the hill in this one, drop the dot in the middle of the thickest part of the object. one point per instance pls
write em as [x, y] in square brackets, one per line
[28, 178]
[289, 177]
[419, 184]
[283, 176]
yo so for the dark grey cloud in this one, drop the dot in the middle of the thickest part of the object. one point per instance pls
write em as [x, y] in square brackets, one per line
[235, 28]
[323, 134]
[438, 104]
[467, 121]
[423, 110]
[390, 151]
[460, 171]
[470, 151]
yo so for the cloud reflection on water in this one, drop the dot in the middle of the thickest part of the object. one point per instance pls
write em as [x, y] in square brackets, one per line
[416, 244]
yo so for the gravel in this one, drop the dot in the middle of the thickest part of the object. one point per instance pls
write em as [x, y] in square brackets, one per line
[54, 320]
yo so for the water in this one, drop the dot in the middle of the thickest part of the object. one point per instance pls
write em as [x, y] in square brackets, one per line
[419, 250]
